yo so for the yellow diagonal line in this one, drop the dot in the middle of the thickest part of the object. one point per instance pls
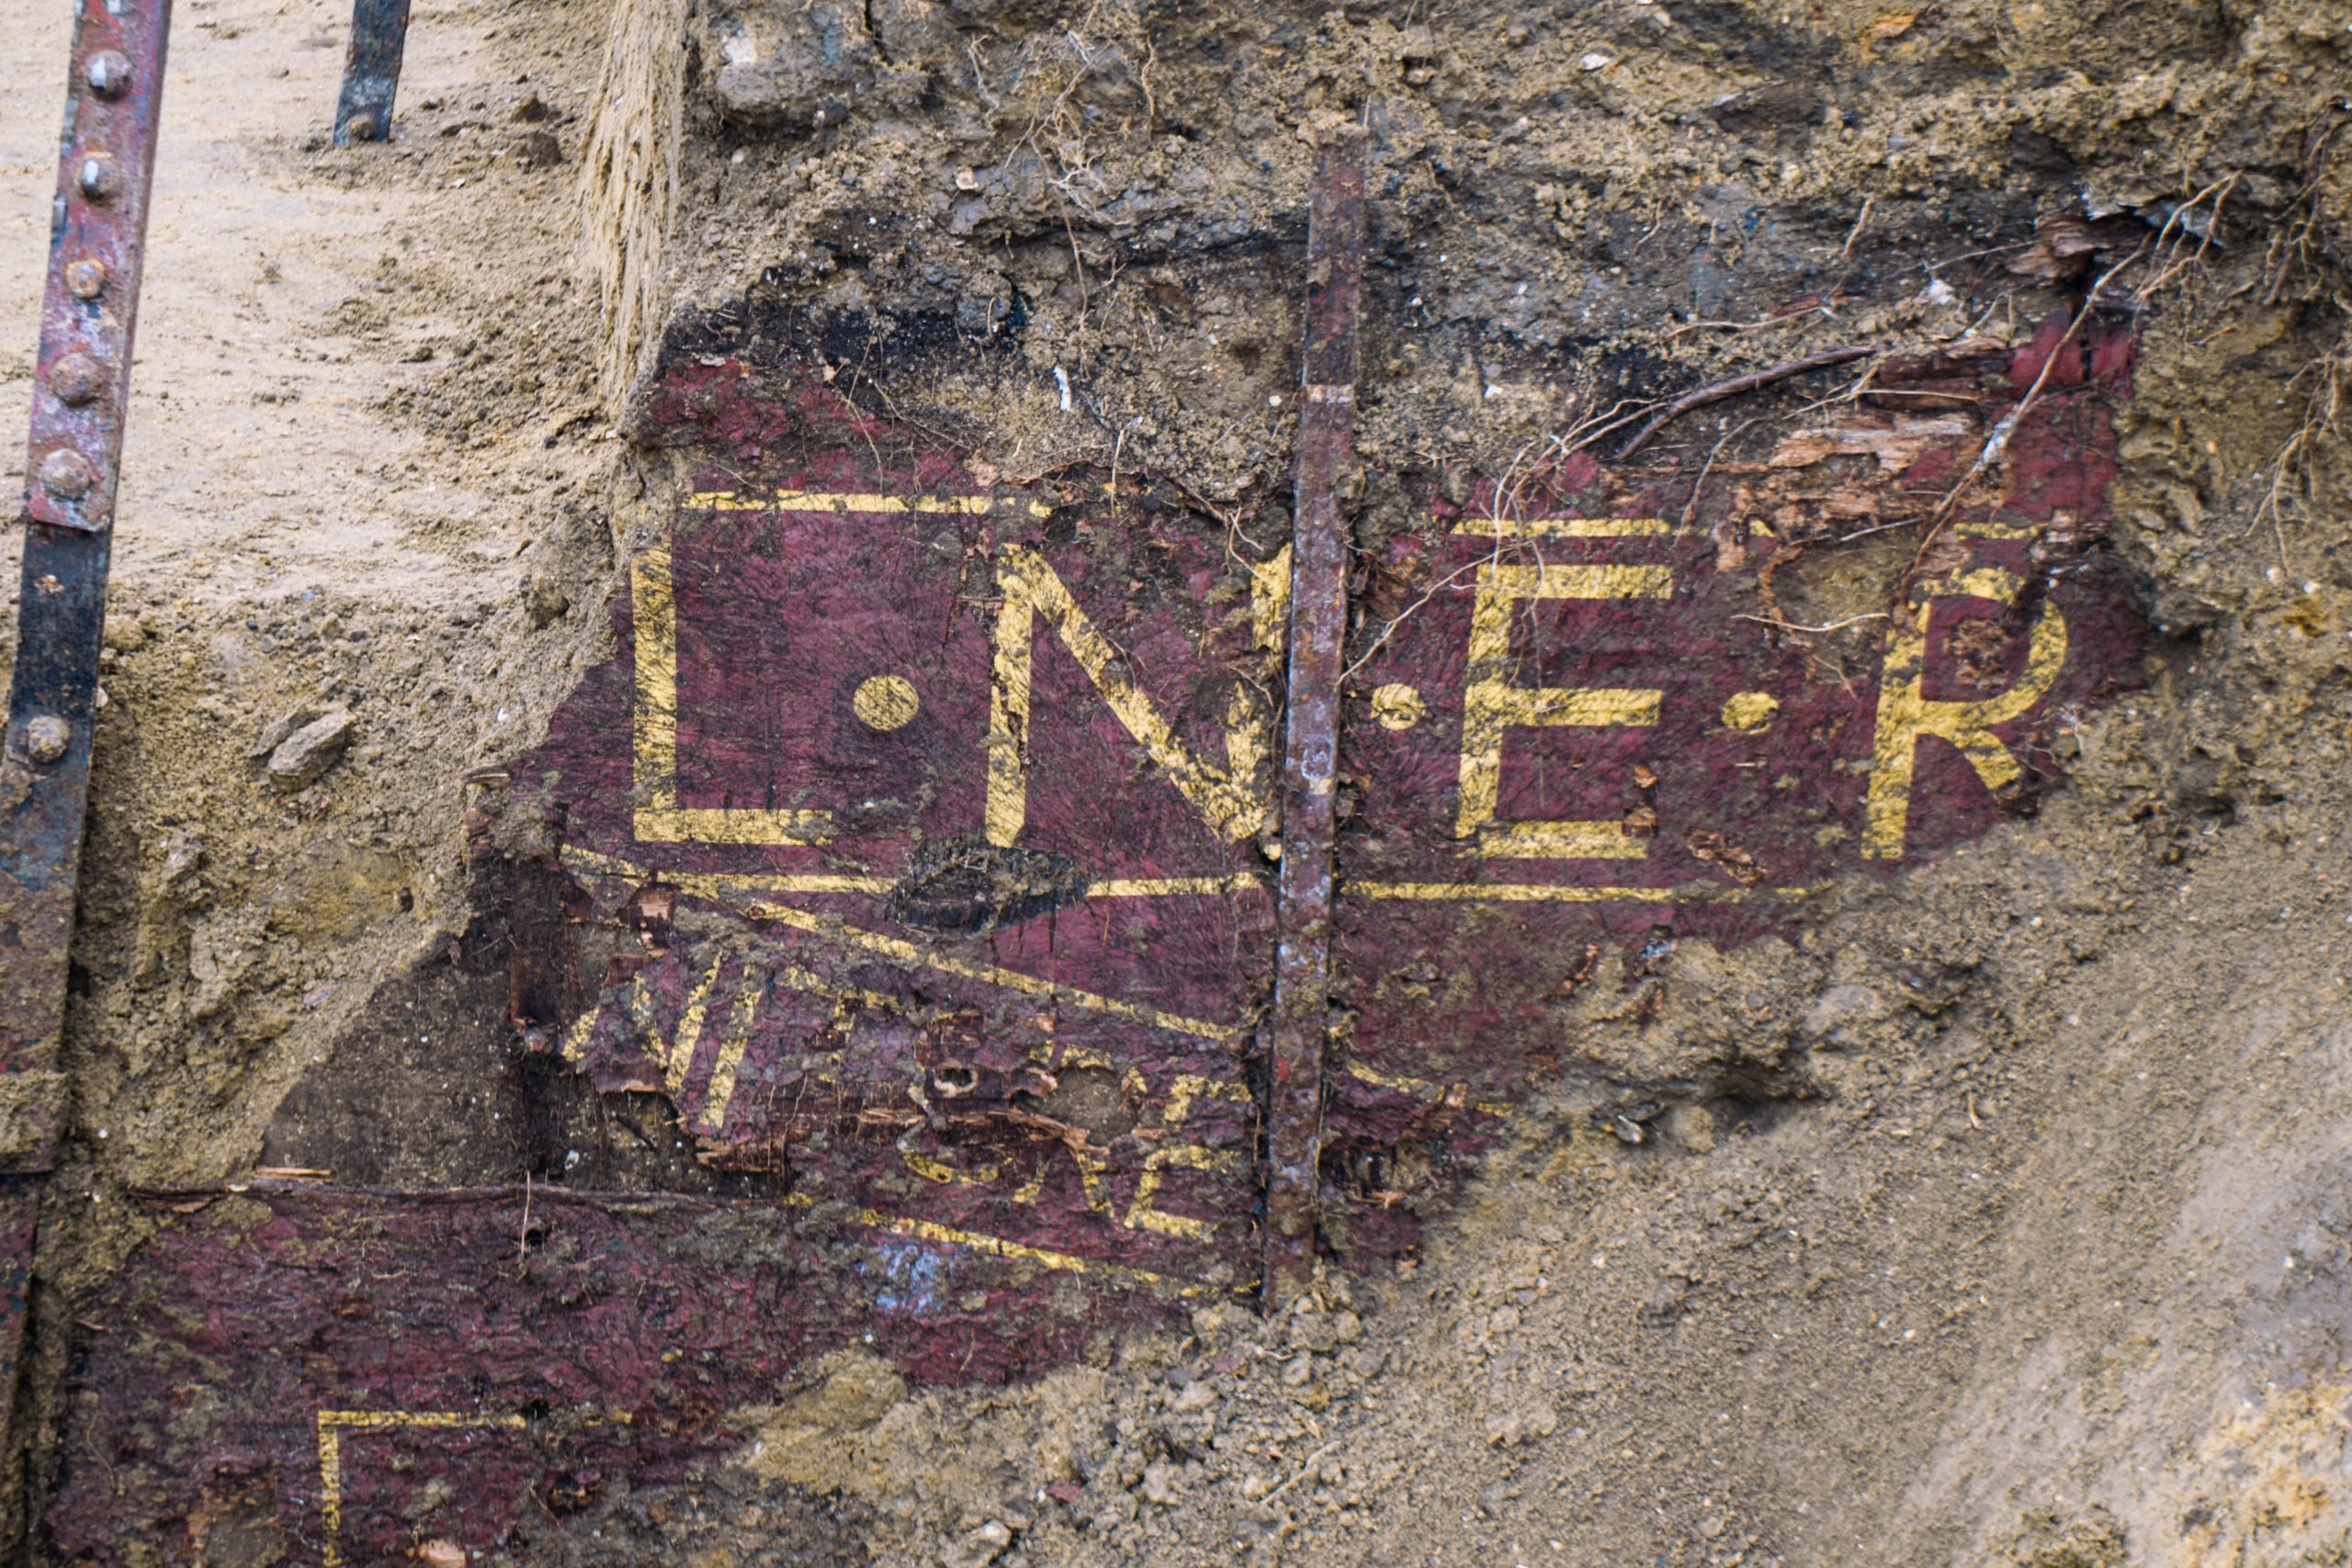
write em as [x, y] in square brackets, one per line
[719, 888]
[988, 974]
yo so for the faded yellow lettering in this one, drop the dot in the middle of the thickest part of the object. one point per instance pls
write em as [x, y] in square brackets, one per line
[1143, 1213]
[1231, 801]
[1494, 704]
[1905, 715]
[638, 1009]
[659, 818]
[1091, 1167]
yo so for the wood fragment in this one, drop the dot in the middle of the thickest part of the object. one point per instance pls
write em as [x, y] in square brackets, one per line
[1715, 392]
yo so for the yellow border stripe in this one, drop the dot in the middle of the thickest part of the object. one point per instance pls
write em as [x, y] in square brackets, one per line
[719, 886]
[987, 974]
[845, 501]
[1546, 893]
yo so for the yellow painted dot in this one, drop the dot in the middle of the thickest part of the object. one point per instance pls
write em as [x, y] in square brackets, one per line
[1397, 706]
[885, 701]
[1750, 711]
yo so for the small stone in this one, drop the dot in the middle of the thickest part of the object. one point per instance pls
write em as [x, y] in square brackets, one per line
[274, 734]
[1298, 1370]
[1692, 1126]
[987, 1542]
[532, 107]
[544, 600]
[47, 737]
[1193, 1397]
[1841, 1006]
[538, 149]
[442, 1554]
[1524, 1425]
[1162, 1483]
[1312, 1331]
[304, 757]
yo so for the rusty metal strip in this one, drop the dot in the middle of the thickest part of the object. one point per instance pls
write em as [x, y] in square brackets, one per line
[1318, 627]
[96, 226]
[371, 71]
[80, 394]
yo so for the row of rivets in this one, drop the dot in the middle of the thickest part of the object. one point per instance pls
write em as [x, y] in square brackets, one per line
[78, 379]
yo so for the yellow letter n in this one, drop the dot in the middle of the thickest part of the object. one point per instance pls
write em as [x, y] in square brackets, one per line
[1494, 704]
[1228, 798]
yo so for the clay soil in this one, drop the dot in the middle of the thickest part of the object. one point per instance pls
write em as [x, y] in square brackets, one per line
[2000, 1217]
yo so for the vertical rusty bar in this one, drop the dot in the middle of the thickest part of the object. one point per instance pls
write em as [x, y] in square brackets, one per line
[1318, 628]
[81, 393]
[371, 71]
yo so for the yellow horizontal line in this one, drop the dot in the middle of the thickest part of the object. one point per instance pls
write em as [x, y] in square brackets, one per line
[846, 501]
[1546, 893]
[418, 1419]
[1490, 527]
[881, 887]
[729, 825]
[1171, 887]
[721, 885]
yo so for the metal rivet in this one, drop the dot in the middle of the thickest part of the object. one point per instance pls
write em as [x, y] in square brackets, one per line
[85, 279]
[361, 128]
[98, 179]
[77, 379]
[67, 474]
[46, 736]
[109, 73]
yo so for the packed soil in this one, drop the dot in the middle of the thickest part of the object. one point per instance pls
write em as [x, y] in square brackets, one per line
[1993, 1217]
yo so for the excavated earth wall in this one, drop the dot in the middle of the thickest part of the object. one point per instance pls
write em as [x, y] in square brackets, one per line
[681, 890]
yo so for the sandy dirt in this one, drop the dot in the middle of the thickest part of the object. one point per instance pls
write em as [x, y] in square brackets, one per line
[2000, 1217]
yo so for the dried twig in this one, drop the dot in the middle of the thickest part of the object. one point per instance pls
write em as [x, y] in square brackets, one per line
[1715, 392]
[1775, 622]
[1855, 232]
[1406, 613]
[1790, 320]
[1704, 468]
[1996, 446]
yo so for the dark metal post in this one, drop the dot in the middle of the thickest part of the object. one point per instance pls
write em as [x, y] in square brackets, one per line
[1318, 628]
[81, 393]
[371, 71]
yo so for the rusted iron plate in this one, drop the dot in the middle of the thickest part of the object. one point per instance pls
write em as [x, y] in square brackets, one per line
[336, 1377]
[1319, 612]
[371, 71]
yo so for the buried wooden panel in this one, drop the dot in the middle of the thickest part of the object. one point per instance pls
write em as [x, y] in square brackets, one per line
[337, 1377]
[910, 855]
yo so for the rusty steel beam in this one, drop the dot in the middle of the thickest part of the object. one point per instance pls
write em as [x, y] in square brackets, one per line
[81, 393]
[1319, 608]
[371, 71]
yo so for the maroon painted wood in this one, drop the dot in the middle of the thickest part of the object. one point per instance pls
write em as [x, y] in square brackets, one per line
[997, 1062]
